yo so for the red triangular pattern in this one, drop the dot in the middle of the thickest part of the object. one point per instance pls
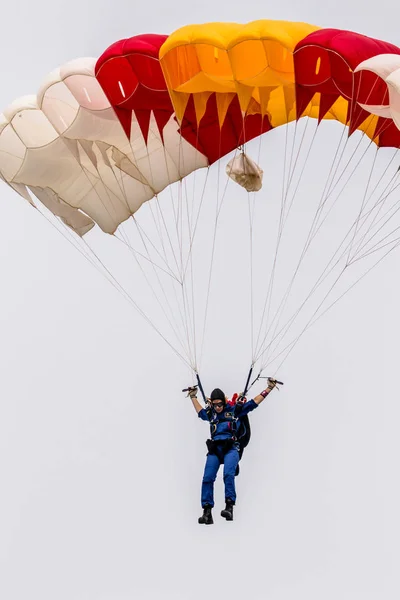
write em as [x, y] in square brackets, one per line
[143, 118]
[358, 116]
[326, 103]
[303, 97]
[125, 117]
[162, 117]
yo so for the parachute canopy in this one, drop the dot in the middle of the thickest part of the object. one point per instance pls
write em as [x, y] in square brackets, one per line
[104, 138]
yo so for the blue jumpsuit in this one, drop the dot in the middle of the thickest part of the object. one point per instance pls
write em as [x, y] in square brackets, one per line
[221, 427]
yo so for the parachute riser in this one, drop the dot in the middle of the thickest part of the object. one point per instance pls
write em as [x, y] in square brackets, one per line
[259, 376]
[199, 386]
[247, 386]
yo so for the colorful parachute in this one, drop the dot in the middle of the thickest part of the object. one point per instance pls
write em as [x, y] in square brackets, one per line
[102, 138]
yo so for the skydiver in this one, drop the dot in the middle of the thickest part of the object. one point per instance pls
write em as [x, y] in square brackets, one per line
[223, 447]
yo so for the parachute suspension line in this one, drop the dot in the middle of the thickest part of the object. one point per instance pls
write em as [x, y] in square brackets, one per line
[285, 297]
[268, 327]
[177, 212]
[375, 221]
[189, 324]
[193, 194]
[342, 188]
[187, 259]
[160, 211]
[290, 173]
[304, 166]
[314, 320]
[353, 104]
[172, 195]
[282, 221]
[170, 318]
[123, 191]
[95, 261]
[144, 236]
[286, 183]
[217, 214]
[251, 197]
[141, 312]
[113, 281]
[92, 185]
[376, 246]
[67, 233]
[326, 193]
[190, 211]
[161, 237]
[146, 258]
[362, 206]
[321, 278]
[328, 189]
[187, 321]
[306, 326]
[125, 236]
[268, 299]
[192, 229]
[122, 188]
[158, 225]
[397, 243]
[161, 228]
[333, 185]
[251, 216]
[212, 251]
[189, 214]
[323, 275]
[193, 233]
[181, 310]
[284, 330]
[380, 201]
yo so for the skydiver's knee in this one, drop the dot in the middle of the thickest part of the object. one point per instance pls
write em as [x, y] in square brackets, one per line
[209, 477]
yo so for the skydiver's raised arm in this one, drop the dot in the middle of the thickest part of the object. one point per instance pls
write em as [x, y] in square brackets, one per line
[193, 396]
[271, 384]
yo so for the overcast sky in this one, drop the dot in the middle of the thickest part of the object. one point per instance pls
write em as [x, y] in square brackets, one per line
[101, 457]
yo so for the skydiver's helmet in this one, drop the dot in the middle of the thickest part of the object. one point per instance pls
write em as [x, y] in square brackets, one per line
[218, 394]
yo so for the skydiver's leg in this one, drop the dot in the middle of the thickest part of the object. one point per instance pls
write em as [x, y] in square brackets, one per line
[210, 474]
[230, 463]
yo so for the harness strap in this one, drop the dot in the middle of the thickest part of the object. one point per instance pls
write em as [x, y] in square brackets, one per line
[233, 420]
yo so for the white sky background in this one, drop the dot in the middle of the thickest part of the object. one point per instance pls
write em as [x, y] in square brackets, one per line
[100, 456]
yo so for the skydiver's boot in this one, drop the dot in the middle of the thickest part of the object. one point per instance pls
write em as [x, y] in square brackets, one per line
[228, 512]
[206, 517]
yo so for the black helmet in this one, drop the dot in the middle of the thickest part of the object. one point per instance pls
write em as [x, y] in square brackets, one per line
[218, 394]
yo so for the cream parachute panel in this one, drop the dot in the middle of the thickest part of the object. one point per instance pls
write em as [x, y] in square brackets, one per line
[386, 66]
[5, 167]
[33, 156]
[133, 169]
[69, 149]
[77, 108]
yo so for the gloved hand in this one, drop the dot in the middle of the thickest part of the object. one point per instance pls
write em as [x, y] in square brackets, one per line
[192, 392]
[241, 399]
[271, 383]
